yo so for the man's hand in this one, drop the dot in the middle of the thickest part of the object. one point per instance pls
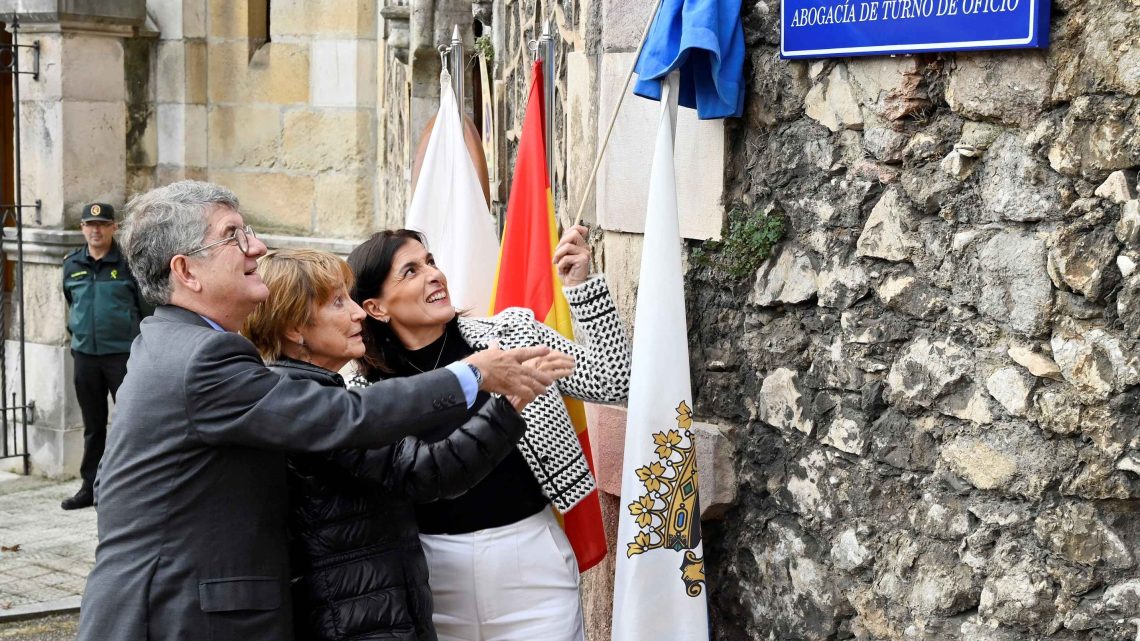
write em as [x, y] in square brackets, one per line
[556, 364]
[572, 256]
[506, 372]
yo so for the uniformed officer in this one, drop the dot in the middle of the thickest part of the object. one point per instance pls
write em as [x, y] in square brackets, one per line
[104, 310]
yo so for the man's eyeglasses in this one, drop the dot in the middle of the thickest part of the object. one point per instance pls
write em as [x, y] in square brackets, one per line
[240, 236]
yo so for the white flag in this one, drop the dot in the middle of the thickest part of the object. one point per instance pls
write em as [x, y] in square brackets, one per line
[448, 207]
[659, 590]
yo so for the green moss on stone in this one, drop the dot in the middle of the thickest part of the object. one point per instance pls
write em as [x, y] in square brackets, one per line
[751, 237]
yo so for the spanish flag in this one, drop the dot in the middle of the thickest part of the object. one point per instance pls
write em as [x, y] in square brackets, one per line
[527, 277]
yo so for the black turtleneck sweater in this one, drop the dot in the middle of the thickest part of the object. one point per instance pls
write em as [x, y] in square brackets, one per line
[508, 494]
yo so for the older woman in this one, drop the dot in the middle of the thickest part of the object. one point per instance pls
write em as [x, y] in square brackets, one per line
[359, 571]
[501, 567]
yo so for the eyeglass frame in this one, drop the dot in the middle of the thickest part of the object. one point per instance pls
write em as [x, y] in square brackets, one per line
[246, 233]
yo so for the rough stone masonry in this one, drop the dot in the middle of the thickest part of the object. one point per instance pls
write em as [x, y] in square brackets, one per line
[935, 384]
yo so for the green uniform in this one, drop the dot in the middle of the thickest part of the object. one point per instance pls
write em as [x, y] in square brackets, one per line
[105, 305]
[104, 310]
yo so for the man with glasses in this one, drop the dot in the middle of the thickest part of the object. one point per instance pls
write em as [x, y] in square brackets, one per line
[191, 495]
[104, 310]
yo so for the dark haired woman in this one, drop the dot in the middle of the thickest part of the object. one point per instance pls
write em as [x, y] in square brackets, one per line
[501, 567]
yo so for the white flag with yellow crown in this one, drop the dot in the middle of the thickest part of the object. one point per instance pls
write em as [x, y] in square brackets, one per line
[659, 589]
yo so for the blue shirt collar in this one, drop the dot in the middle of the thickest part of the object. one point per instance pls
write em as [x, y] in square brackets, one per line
[212, 324]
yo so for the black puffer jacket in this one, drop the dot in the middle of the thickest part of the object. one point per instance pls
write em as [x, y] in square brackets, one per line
[358, 570]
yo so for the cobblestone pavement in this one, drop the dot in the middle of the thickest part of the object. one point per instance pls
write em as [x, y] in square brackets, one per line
[45, 552]
[57, 627]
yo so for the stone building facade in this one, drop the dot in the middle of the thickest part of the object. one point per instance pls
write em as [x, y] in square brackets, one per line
[933, 383]
[277, 101]
[920, 412]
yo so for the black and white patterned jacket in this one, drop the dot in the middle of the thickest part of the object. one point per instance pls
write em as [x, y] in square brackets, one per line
[601, 375]
[601, 351]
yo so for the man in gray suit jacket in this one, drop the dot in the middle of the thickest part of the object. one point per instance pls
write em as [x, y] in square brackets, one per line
[191, 494]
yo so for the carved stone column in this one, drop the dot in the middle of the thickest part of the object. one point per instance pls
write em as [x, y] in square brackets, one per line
[432, 22]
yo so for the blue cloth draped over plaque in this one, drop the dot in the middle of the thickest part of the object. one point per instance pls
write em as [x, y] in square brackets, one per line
[704, 39]
[831, 28]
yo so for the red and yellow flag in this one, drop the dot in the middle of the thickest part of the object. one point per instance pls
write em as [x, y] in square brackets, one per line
[527, 277]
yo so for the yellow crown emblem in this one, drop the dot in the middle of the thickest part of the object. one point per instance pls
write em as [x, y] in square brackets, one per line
[669, 513]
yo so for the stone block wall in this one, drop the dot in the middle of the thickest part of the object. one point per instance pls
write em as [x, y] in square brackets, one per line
[934, 379]
[133, 94]
[81, 89]
[596, 47]
[928, 394]
[85, 131]
[289, 125]
[176, 92]
[394, 142]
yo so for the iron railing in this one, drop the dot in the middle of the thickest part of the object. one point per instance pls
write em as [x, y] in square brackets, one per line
[14, 430]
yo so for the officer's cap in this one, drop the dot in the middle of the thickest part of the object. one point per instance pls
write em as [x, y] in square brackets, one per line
[98, 211]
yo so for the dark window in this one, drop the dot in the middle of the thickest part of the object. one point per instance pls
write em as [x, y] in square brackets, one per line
[258, 18]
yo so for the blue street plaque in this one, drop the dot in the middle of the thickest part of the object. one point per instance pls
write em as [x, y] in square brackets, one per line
[831, 28]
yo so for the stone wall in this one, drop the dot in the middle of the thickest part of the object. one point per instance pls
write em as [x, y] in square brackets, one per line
[133, 94]
[84, 137]
[393, 155]
[934, 379]
[142, 131]
[290, 124]
[176, 95]
[930, 389]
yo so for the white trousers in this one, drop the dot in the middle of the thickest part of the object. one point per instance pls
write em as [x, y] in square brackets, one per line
[518, 582]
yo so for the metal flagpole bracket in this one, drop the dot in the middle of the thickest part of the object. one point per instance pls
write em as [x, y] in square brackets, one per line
[11, 213]
[9, 64]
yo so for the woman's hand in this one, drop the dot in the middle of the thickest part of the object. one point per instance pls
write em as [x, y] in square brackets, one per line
[572, 256]
[555, 364]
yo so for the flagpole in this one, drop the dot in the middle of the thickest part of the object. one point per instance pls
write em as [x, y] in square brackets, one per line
[458, 66]
[613, 118]
[546, 48]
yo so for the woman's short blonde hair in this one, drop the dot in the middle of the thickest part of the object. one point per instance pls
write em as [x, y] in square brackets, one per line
[299, 280]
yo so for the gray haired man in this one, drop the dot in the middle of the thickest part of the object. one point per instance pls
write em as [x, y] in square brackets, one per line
[191, 492]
